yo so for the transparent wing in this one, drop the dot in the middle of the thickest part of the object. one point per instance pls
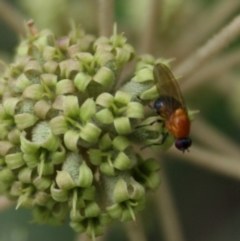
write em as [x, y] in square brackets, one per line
[166, 84]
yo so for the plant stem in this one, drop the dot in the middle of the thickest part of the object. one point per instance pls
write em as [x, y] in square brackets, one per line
[12, 17]
[105, 17]
[212, 47]
[167, 212]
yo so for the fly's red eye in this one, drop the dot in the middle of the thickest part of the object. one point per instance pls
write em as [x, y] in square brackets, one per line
[183, 143]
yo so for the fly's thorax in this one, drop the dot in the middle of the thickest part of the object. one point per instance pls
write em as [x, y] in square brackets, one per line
[165, 106]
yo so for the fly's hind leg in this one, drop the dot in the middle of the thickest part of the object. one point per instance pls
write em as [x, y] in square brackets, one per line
[165, 135]
[149, 124]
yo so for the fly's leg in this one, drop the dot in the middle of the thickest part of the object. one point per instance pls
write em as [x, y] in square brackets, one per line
[149, 124]
[165, 135]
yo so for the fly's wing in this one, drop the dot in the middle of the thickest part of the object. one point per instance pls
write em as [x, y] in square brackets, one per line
[167, 85]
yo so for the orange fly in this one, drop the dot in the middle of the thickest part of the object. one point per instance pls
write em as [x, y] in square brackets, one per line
[171, 107]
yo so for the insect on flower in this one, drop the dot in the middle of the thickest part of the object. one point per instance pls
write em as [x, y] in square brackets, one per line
[171, 108]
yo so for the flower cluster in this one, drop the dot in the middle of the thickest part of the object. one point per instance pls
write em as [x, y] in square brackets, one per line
[66, 134]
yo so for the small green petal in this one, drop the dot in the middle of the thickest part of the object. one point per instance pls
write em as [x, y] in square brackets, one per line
[87, 110]
[105, 100]
[85, 176]
[41, 109]
[71, 140]
[9, 106]
[59, 195]
[58, 125]
[42, 198]
[22, 82]
[42, 183]
[84, 57]
[70, 106]
[122, 162]
[49, 80]
[90, 133]
[32, 160]
[28, 146]
[95, 156]
[143, 75]
[64, 180]
[16, 189]
[115, 211]
[65, 86]
[105, 142]
[135, 110]
[150, 94]
[25, 175]
[122, 125]
[122, 56]
[34, 92]
[92, 210]
[89, 193]
[122, 97]
[107, 169]
[105, 116]
[50, 67]
[82, 80]
[58, 156]
[15, 160]
[6, 175]
[120, 143]
[77, 227]
[25, 120]
[104, 76]
[5, 146]
[121, 191]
